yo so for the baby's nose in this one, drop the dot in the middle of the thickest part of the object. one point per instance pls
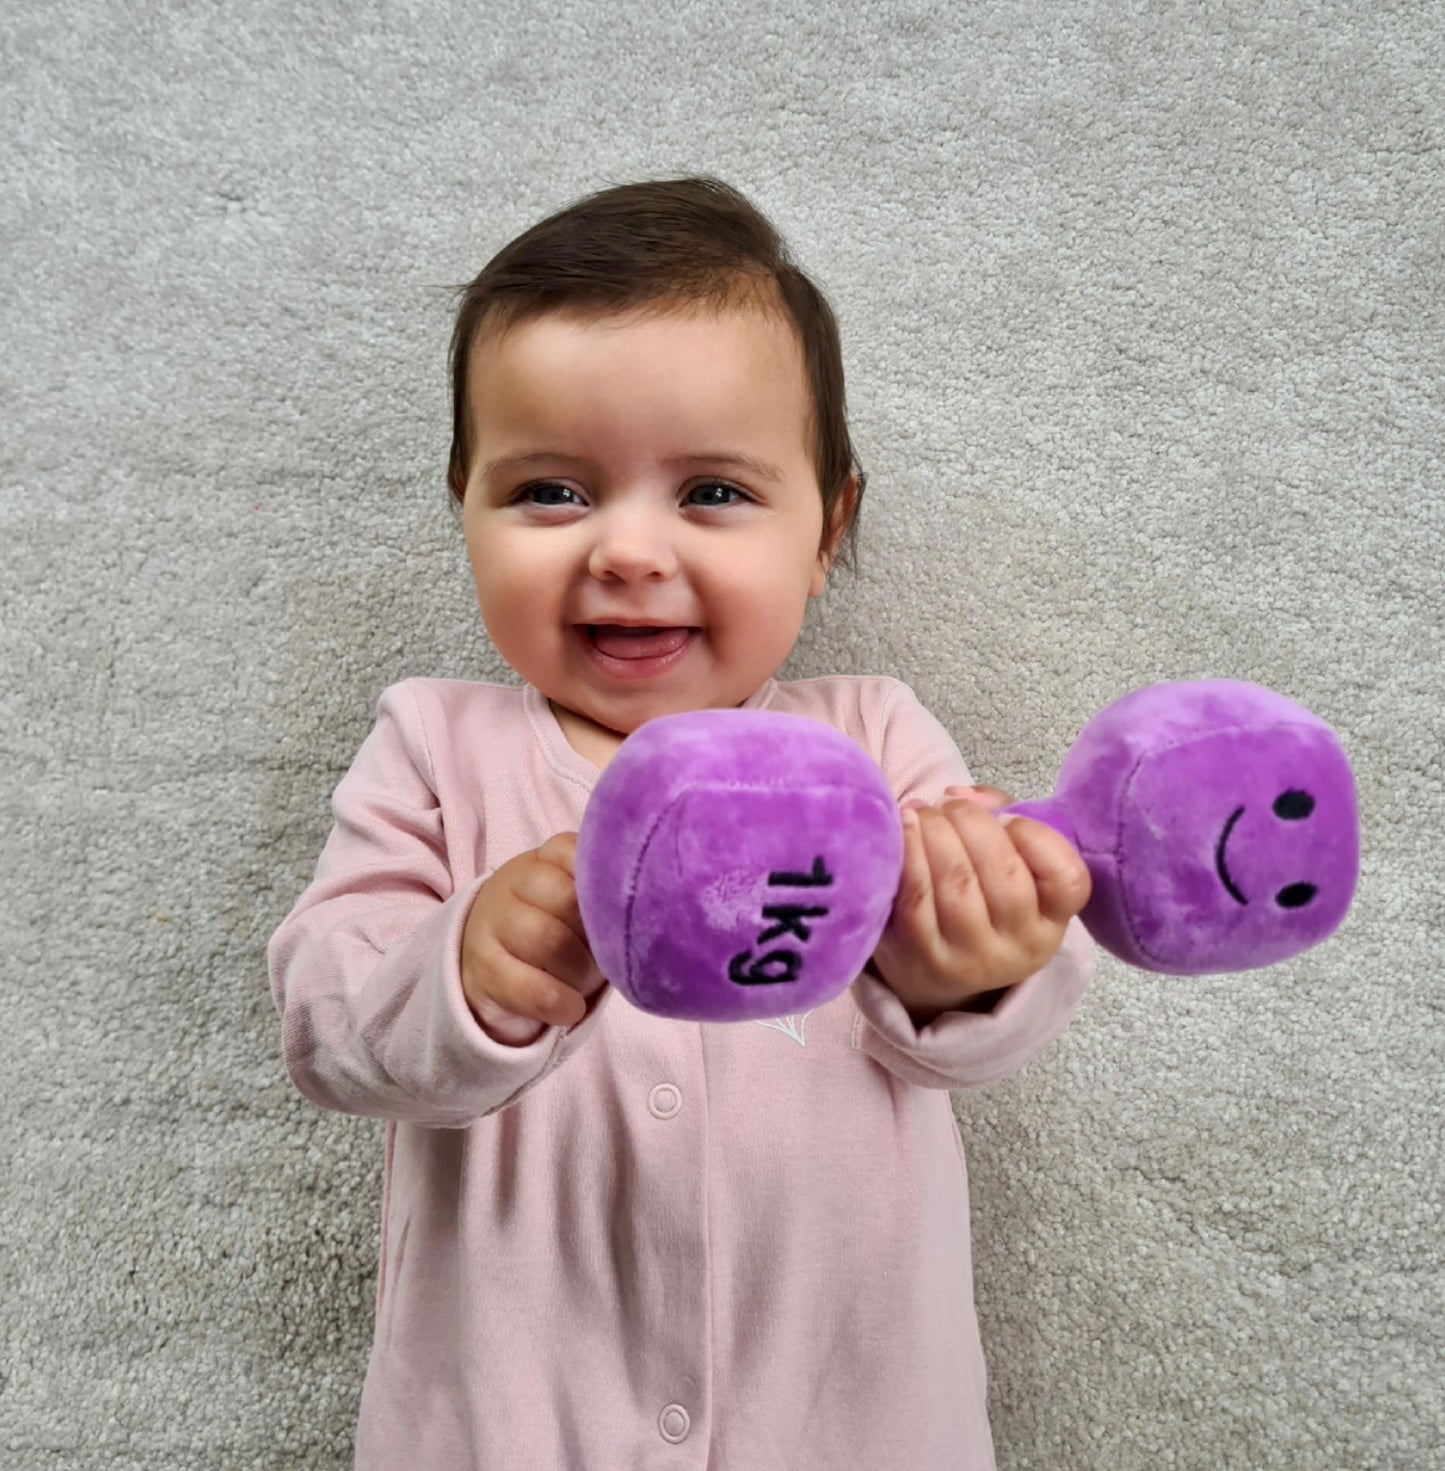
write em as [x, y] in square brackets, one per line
[632, 545]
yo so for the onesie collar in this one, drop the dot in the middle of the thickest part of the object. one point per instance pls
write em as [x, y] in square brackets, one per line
[573, 765]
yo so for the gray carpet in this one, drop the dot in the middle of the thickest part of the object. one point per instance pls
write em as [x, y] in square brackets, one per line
[1143, 316]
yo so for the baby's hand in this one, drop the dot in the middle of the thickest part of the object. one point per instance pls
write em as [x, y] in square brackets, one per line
[524, 949]
[982, 903]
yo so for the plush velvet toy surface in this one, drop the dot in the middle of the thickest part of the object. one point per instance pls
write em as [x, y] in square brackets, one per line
[737, 864]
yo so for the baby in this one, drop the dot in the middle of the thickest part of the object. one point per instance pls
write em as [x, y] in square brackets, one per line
[611, 1240]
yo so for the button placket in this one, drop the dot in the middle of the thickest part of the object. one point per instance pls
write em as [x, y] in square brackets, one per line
[663, 1070]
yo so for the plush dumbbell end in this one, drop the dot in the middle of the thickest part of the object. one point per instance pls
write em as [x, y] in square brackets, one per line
[1219, 822]
[737, 864]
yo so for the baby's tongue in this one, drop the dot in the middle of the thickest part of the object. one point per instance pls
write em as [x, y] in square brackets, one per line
[639, 643]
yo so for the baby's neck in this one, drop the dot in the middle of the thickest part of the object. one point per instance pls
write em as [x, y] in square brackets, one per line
[596, 743]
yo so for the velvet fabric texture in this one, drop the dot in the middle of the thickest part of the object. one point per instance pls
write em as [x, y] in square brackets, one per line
[734, 865]
[1219, 822]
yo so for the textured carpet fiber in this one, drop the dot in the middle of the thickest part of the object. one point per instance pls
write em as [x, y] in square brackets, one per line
[1144, 323]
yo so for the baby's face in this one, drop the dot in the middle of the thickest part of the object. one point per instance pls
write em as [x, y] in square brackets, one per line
[635, 505]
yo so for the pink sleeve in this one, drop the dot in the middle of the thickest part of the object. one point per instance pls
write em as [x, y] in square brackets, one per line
[366, 969]
[961, 1049]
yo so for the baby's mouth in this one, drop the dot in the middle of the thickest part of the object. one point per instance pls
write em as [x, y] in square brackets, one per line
[637, 643]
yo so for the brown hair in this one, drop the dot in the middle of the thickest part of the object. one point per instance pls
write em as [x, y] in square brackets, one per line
[655, 244]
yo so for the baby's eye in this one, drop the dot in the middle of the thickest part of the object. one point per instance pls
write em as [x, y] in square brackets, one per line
[716, 485]
[528, 491]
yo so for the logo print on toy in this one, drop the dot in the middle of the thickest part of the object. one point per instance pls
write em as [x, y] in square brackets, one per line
[787, 964]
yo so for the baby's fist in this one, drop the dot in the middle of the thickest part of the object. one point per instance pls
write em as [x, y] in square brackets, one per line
[525, 957]
[982, 903]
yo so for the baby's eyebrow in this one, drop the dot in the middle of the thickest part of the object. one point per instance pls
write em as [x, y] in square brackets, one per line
[760, 468]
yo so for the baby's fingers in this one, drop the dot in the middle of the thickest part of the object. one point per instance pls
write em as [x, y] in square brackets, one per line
[526, 990]
[539, 996]
[534, 966]
[914, 911]
[1060, 874]
[942, 894]
[547, 942]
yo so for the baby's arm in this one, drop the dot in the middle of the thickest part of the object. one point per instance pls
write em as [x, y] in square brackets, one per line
[366, 970]
[957, 1036]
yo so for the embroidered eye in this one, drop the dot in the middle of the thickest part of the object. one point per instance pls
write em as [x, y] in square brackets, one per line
[1292, 806]
[1295, 896]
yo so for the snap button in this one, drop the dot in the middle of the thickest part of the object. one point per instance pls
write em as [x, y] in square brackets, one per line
[664, 1101]
[674, 1422]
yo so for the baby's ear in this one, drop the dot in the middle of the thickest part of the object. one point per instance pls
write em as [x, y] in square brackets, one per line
[826, 555]
[834, 531]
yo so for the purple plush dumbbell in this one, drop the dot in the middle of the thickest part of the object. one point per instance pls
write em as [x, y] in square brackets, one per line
[737, 864]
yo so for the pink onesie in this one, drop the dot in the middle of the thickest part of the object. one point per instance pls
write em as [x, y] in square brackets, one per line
[638, 1244]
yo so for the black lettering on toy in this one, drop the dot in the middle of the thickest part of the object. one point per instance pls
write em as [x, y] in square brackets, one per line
[780, 966]
[818, 876]
[792, 917]
[758, 974]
